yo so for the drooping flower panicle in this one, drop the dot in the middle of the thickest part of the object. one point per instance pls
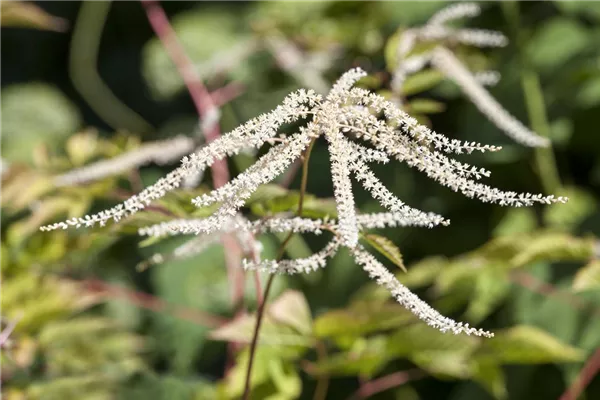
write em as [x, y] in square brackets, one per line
[441, 58]
[359, 128]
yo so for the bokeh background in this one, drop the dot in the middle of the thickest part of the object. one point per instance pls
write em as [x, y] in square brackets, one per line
[84, 81]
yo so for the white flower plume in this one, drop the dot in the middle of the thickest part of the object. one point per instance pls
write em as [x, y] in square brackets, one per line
[441, 58]
[359, 128]
[160, 152]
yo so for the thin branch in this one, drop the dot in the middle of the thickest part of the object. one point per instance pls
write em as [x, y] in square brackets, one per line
[200, 96]
[587, 373]
[227, 93]
[262, 305]
[530, 282]
[149, 302]
[206, 108]
[323, 380]
[83, 69]
[369, 388]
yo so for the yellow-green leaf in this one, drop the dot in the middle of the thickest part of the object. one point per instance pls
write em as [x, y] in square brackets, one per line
[588, 277]
[27, 15]
[555, 247]
[425, 106]
[292, 309]
[387, 248]
[421, 81]
[527, 345]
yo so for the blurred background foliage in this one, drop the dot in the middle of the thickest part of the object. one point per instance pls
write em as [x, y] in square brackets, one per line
[85, 81]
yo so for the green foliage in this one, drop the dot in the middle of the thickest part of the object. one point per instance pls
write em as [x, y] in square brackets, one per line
[27, 15]
[387, 248]
[556, 43]
[532, 276]
[203, 35]
[35, 113]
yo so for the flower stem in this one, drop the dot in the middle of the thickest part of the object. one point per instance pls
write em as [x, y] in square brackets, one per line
[536, 109]
[544, 156]
[262, 305]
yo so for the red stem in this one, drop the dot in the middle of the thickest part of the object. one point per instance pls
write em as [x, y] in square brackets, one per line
[149, 302]
[386, 382]
[587, 373]
[200, 96]
[205, 105]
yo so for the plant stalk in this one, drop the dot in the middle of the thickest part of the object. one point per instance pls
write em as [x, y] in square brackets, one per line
[262, 305]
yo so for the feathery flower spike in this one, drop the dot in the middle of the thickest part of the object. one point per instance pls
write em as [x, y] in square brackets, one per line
[359, 127]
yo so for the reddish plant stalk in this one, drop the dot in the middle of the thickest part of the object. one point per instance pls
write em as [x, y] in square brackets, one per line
[206, 108]
[149, 302]
[587, 373]
[369, 388]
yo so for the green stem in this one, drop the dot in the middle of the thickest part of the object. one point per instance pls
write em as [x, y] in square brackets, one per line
[83, 60]
[544, 156]
[323, 381]
[261, 307]
[536, 110]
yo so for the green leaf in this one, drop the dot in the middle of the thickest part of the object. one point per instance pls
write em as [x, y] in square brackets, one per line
[490, 376]
[366, 358]
[554, 247]
[558, 41]
[517, 221]
[589, 94]
[292, 309]
[418, 337]
[272, 333]
[421, 81]
[203, 34]
[274, 376]
[22, 14]
[360, 320]
[568, 216]
[32, 114]
[588, 8]
[491, 288]
[588, 277]
[527, 345]
[424, 272]
[425, 106]
[387, 248]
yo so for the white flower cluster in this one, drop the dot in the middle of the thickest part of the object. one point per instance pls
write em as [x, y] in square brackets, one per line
[253, 133]
[360, 127]
[408, 299]
[447, 63]
[160, 152]
[441, 58]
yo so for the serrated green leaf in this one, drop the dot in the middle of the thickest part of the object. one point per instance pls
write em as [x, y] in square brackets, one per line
[588, 277]
[387, 248]
[527, 345]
